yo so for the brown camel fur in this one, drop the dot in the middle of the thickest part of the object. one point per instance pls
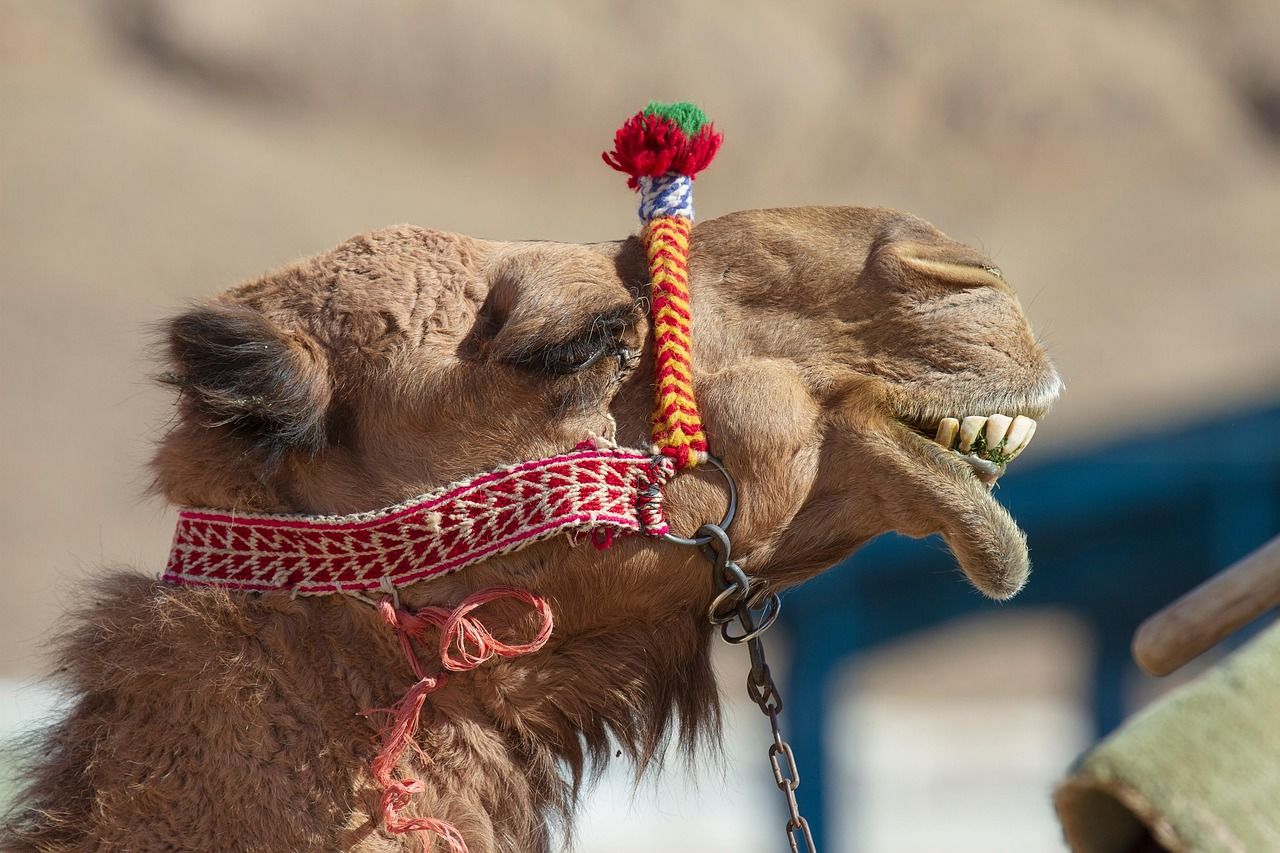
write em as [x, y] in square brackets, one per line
[826, 341]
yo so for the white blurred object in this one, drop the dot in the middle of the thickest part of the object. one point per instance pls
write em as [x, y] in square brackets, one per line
[951, 740]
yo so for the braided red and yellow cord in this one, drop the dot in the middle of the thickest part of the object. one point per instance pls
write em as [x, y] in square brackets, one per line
[661, 149]
[677, 426]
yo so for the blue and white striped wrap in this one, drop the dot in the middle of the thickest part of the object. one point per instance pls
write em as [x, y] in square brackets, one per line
[668, 195]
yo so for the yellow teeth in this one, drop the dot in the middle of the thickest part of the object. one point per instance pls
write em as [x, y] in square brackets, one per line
[969, 429]
[998, 438]
[1019, 435]
[997, 426]
[947, 429]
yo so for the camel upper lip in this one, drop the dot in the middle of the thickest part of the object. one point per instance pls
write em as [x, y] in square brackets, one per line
[924, 411]
[926, 422]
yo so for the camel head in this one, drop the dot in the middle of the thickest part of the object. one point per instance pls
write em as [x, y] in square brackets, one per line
[829, 346]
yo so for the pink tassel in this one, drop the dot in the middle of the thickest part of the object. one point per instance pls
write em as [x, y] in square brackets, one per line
[475, 644]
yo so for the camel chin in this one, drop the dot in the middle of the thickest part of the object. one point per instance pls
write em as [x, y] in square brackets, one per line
[950, 465]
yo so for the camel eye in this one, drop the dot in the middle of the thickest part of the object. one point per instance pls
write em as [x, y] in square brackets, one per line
[601, 339]
[995, 271]
[577, 355]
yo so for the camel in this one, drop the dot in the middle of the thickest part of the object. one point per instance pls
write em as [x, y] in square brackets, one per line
[838, 351]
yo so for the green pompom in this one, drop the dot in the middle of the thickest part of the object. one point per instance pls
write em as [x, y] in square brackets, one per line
[689, 118]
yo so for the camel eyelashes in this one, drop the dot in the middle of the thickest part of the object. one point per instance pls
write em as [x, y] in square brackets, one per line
[600, 339]
[576, 356]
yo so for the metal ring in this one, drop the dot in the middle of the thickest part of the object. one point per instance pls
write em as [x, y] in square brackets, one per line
[769, 615]
[718, 549]
[728, 513]
[736, 590]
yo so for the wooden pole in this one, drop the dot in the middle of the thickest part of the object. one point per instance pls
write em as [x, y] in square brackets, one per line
[1221, 605]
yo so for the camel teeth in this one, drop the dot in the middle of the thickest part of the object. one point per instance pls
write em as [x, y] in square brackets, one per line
[997, 426]
[947, 429]
[969, 429]
[999, 437]
[1016, 436]
[1030, 429]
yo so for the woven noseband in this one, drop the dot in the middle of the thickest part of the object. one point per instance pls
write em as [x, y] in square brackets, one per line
[605, 491]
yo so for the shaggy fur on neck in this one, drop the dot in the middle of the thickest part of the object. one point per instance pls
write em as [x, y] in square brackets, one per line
[194, 709]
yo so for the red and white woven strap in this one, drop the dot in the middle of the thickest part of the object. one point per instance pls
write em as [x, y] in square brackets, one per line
[605, 491]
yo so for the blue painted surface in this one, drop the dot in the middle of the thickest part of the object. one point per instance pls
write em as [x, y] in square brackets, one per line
[1116, 532]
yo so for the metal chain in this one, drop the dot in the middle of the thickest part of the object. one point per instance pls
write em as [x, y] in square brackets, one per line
[744, 610]
[747, 603]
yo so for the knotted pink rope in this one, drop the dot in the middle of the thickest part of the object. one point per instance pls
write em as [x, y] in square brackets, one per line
[465, 643]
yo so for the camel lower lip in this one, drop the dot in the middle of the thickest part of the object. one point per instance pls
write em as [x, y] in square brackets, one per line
[986, 470]
[952, 496]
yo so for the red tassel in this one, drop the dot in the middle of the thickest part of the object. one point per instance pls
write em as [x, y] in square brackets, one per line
[700, 151]
[474, 645]
[652, 145]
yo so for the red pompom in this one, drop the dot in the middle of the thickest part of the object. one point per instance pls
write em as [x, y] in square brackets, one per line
[650, 145]
[699, 151]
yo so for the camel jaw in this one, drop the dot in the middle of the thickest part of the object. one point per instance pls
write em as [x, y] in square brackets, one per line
[939, 490]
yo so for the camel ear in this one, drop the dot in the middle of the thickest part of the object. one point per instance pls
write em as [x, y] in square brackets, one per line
[238, 370]
[965, 272]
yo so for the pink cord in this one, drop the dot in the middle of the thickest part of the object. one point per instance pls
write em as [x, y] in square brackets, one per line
[474, 645]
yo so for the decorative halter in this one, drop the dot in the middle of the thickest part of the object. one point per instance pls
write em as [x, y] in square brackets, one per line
[594, 489]
[603, 490]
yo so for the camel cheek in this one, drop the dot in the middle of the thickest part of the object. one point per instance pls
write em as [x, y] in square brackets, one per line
[762, 410]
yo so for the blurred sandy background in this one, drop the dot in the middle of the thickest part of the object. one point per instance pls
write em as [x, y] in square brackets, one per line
[1121, 162]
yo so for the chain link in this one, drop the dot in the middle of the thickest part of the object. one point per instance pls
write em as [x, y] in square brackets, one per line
[746, 603]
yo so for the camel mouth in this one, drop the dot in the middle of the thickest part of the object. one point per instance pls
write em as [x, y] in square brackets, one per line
[986, 432]
[986, 443]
